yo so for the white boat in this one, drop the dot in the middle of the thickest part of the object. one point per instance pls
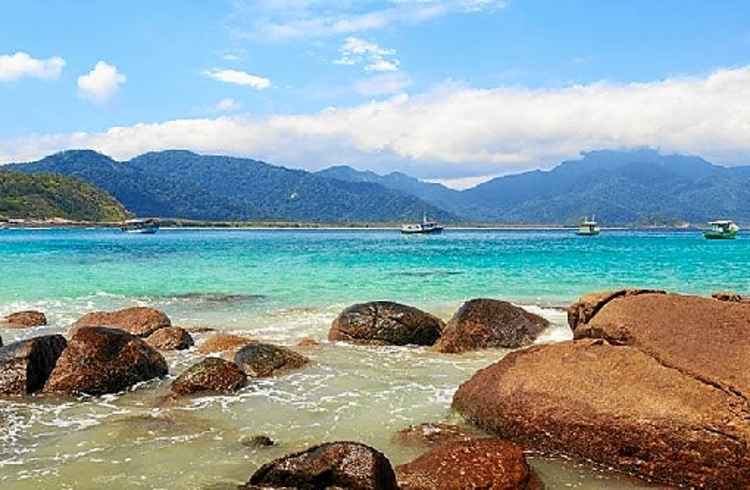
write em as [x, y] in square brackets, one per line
[722, 229]
[426, 226]
[144, 226]
[588, 227]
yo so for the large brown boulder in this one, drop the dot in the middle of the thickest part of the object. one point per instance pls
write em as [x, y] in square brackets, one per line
[25, 319]
[170, 338]
[260, 360]
[386, 323]
[211, 375]
[139, 321]
[26, 365]
[349, 465]
[481, 463]
[589, 305]
[615, 405]
[101, 360]
[489, 323]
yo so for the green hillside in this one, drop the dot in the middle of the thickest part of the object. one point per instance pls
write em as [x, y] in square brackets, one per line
[44, 196]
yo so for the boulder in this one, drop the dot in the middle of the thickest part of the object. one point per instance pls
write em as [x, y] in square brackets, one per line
[211, 375]
[615, 405]
[100, 360]
[139, 321]
[386, 323]
[589, 305]
[25, 319]
[490, 323]
[349, 465]
[481, 463]
[701, 337]
[223, 343]
[170, 338]
[432, 434]
[258, 441]
[26, 365]
[262, 360]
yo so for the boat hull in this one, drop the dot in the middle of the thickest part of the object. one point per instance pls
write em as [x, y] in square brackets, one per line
[431, 231]
[717, 235]
[142, 231]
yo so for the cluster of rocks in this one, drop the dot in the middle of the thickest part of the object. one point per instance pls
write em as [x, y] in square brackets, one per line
[653, 384]
[478, 324]
[108, 352]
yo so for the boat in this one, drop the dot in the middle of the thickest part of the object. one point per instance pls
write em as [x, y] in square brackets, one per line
[425, 227]
[722, 229]
[144, 226]
[588, 227]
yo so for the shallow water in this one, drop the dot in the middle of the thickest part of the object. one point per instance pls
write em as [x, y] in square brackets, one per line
[281, 286]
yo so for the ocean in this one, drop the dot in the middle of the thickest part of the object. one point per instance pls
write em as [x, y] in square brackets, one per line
[281, 286]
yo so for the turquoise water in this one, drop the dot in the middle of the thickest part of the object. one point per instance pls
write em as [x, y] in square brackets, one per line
[281, 286]
[315, 268]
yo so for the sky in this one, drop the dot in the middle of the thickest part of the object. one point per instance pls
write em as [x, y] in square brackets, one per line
[449, 90]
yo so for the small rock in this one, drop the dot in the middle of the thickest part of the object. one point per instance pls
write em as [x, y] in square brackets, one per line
[431, 434]
[222, 343]
[139, 321]
[170, 338]
[308, 343]
[262, 360]
[481, 463]
[200, 329]
[729, 296]
[349, 465]
[489, 323]
[25, 319]
[101, 360]
[386, 323]
[26, 365]
[211, 375]
[257, 441]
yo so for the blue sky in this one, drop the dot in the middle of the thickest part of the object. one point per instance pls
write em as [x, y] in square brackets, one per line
[444, 89]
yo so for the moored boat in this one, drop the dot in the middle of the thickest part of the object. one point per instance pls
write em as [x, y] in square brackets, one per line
[722, 229]
[588, 227]
[143, 226]
[425, 227]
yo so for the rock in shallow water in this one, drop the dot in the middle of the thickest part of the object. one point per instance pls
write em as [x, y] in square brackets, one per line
[223, 343]
[481, 463]
[25, 319]
[260, 360]
[211, 375]
[101, 360]
[386, 323]
[489, 323]
[349, 465]
[139, 321]
[26, 365]
[170, 338]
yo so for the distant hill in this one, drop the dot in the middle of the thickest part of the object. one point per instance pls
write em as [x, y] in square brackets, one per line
[619, 187]
[182, 184]
[46, 196]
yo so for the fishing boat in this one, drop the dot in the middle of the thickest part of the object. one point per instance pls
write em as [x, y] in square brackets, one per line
[588, 227]
[722, 229]
[144, 226]
[425, 227]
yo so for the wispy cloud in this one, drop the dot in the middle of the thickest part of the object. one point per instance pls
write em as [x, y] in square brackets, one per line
[101, 83]
[356, 51]
[276, 20]
[227, 105]
[466, 130]
[385, 84]
[238, 77]
[21, 65]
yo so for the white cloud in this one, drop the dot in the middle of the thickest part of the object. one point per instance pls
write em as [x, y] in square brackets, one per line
[385, 84]
[356, 51]
[275, 20]
[460, 132]
[227, 105]
[239, 77]
[20, 65]
[101, 83]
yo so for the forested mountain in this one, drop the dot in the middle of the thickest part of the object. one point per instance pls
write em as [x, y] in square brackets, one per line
[46, 196]
[182, 184]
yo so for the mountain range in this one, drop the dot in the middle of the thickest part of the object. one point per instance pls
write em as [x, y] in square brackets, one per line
[619, 187]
